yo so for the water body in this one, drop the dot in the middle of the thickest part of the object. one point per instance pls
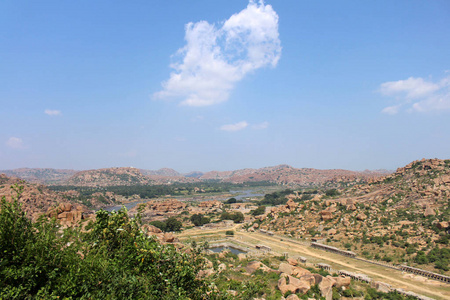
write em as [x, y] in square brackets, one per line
[244, 194]
[231, 249]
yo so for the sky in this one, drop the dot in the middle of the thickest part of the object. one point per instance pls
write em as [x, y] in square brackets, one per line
[223, 85]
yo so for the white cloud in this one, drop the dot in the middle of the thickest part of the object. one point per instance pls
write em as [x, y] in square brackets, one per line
[52, 112]
[391, 110]
[262, 125]
[15, 143]
[215, 58]
[424, 95]
[411, 87]
[234, 127]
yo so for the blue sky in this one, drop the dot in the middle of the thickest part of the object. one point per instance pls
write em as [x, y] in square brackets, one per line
[221, 85]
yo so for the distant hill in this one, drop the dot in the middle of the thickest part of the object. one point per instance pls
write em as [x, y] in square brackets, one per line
[162, 172]
[109, 176]
[195, 174]
[281, 174]
[40, 175]
[284, 174]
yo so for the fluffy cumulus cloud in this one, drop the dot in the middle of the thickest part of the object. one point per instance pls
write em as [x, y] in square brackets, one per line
[417, 94]
[52, 112]
[216, 57]
[234, 127]
[15, 143]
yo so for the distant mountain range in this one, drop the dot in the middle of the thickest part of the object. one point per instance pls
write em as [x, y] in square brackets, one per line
[281, 174]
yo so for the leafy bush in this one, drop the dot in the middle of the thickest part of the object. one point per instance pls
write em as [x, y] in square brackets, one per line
[237, 217]
[114, 260]
[259, 211]
[199, 219]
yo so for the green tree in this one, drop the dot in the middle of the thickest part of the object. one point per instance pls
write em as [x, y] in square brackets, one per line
[199, 219]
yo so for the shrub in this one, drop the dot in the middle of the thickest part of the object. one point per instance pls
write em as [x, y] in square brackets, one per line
[114, 260]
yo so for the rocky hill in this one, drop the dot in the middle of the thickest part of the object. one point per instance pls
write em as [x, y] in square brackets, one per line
[108, 177]
[162, 172]
[40, 175]
[37, 199]
[401, 218]
[284, 174]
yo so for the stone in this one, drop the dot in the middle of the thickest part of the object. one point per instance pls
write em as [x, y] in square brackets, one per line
[285, 268]
[381, 286]
[65, 206]
[326, 287]
[205, 273]
[442, 225]
[292, 261]
[361, 217]
[429, 212]
[241, 256]
[221, 267]
[294, 285]
[169, 237]
[299, 271]
[292, 297]
[342, 281]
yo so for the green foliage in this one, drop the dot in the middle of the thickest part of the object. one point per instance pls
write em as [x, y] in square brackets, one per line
[332, 192]
[171, 224]
[259, 211]
[115, 260]
[237, 217]
[229, 232]
[276, 198]
[439, 256]
[199, 219]
[231, 200]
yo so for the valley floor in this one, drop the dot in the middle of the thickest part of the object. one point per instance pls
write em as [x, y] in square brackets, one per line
[280, 245]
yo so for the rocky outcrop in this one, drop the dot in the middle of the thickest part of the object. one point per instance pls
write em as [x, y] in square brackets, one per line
[326, 287]
[66, 214]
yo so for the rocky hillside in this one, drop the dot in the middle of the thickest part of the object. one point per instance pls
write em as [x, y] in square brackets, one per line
[108, 177]
[284, 174]
[401, 218]
[36, 199]
[39, 175]
[162, 172]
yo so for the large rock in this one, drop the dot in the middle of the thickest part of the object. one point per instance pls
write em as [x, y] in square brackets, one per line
[292, 261]
[342, 281]
[361, 217]
[65, 206]
[442, 225]
[326, 215]
[429, 212]
[169, 237]
[292, 297]
[285, 268]
[326, 287]
[309, 279]
[295, 285]
[255, 265]
[381, 286]
[298, 271]
[151, 229]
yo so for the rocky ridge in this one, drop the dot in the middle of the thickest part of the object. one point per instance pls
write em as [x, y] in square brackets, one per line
[405, 215]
